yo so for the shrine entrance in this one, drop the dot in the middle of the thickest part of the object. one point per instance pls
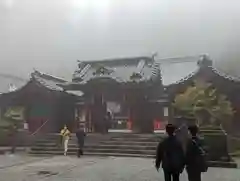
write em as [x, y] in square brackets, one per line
[102, 97]
[129, 107]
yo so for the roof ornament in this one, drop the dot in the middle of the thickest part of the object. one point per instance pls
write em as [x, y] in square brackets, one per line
[83, 68]
[156, 71]
[205, 61]
[12, 87]
[81, 64]
[154, 55]
[101, 70]
[135, 77]
[140, 66]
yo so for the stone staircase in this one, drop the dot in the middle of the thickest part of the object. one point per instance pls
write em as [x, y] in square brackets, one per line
[112, 144]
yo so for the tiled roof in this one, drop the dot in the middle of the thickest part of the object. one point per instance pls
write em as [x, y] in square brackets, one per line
[48, 81]
[53, 83]
[174, 70]
[170, 71]
[225, 75]
[120, 69]
[181, 72]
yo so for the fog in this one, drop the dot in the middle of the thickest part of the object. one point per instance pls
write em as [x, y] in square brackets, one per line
[50, 35]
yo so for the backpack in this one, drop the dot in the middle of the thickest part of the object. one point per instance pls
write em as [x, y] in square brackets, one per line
[201, 158]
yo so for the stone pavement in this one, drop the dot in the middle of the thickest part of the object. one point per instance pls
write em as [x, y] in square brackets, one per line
[8, 160]
[62, 168]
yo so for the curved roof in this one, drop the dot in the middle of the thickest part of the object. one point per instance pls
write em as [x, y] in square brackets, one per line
[169, 71]
[120, 69]
[48, 81]
[174, 73]
[211, 73]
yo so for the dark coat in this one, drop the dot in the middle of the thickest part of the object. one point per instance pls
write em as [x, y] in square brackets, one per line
[192, 153]
[108, 120]
[80, 134]
[182, 135]
[170, 154]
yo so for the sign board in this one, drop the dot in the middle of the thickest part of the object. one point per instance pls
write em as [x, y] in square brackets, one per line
[113, 107]
[165, 111]
[25, 126]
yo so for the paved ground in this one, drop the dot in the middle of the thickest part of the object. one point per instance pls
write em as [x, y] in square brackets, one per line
[59, 168]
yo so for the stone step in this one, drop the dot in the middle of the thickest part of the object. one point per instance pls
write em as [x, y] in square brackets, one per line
[73, 146]
[132, 144]
[127, 151]
[136, 147]
[112, 144]
[52, 140]
[140, 139]
[137, 137]
[99, 148]
[109, 135]
[94, 147]
[114, 141]
[134, 139]
[45, 154]
[127, 142]
[119, 155]
[146, 143]
[87, 152]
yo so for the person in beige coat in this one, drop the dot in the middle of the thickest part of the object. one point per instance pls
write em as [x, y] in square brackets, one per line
[65, 133]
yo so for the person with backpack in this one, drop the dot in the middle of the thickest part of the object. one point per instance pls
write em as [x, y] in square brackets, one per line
[196, 162]
[170, 154]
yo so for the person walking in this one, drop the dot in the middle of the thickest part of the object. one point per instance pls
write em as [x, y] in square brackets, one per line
[13, 137]
[195, 156]
[65, 133]
[108, 119]
[183, 135]
[80, 134]
[170, 154]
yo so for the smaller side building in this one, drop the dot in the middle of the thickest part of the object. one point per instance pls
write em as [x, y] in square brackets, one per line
[41, 103]
[205, 71]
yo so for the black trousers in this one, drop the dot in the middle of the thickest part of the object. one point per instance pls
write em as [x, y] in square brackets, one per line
[80, 150]
[171, 176]
[194, 175]
[13, 145]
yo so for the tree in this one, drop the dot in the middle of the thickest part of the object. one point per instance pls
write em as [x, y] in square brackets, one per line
[11, 122]
[204, 104]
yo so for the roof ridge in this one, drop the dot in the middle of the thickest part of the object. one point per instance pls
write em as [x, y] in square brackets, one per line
[115, 59]
[175, 59]
[47, 76]
[212, 68]
[225, 75]
[193, 73]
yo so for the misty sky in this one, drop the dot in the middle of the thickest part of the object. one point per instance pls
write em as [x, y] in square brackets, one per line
[50, 35]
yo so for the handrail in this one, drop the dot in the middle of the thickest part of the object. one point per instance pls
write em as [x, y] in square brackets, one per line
[34, 133]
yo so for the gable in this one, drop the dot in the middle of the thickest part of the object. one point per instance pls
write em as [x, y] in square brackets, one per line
[121, 70]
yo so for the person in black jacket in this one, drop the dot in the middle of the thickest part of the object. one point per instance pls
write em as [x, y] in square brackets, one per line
[170, 154]
[80, 134]
[194, 156]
